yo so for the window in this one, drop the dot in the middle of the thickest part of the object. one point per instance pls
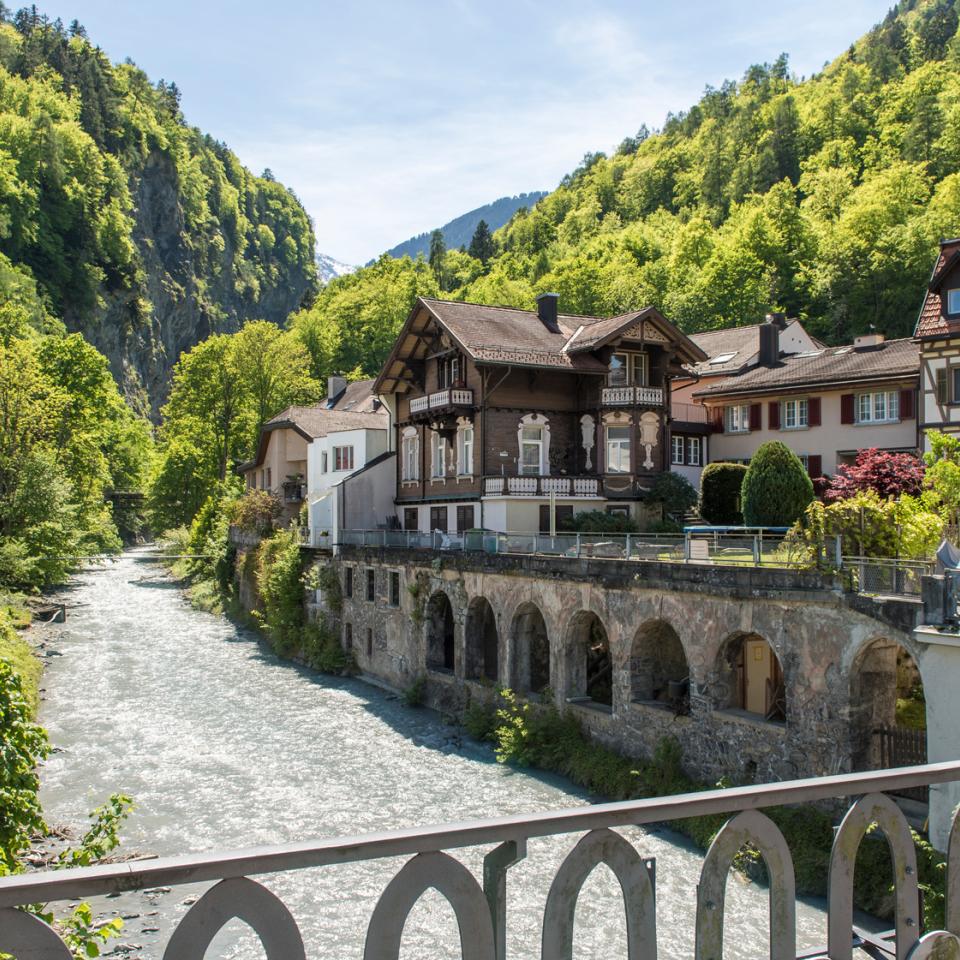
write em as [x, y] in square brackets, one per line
[737, 418]
[269, 478]
[953, 301]
[371, 584]
[676, 449]
[438, 519]
[343, 458]
[369, 642]
[394, 588]
[439, 464]
[531, 450]
[693, 451]
[794, 414]
[464, 518]
[449, 371]
[411, 454]
[324, 462]
[348, 582]
[941, 386]
[628, 370]
[618, 449]
[465, 451]
[348, 636]
[880, 407]
[564, 516]
[411, 518]
[955, 374]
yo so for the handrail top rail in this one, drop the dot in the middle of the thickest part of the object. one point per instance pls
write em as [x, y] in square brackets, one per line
[82, 882]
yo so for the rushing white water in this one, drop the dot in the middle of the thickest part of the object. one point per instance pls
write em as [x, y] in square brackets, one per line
[223, 745]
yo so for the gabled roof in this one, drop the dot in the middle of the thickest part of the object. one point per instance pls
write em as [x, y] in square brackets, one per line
[511, 337]
[599, 333]
[739, 347]
[932, 322]
[833, 366]
[357, 396]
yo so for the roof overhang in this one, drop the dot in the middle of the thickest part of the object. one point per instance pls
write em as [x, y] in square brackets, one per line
[688, 351]
[782, 388]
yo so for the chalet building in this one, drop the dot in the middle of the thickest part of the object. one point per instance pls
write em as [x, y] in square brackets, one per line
[826, 404]
[938, 336]
[730, 352]
[500, 413]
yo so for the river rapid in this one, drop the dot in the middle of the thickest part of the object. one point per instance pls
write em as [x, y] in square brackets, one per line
[224, 745]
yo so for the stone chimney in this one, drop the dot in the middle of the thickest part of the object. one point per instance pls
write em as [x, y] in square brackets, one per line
[780, 319]
[547, 311]
[769, 343]
[335, 386]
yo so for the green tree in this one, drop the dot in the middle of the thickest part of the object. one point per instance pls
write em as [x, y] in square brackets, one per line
[482, 246]
[776, 489]
[438, 249]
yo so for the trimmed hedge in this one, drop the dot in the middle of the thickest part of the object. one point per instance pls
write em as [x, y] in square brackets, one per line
[720, 485]
[776, 489]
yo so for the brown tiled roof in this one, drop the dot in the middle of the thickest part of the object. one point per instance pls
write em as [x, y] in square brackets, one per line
[893, 359]
[317, 421]
[358, 396]
[742, 342]
[932, 321]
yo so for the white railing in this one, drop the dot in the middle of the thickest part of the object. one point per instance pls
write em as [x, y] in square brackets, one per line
[442, 398]
[631, 396]
[534, 486]
[688, 412]
[481, 905]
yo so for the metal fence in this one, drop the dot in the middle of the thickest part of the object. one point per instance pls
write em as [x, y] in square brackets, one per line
[482, 905]
[887, 577]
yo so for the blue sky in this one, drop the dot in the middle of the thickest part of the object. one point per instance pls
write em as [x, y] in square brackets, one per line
[390, 118]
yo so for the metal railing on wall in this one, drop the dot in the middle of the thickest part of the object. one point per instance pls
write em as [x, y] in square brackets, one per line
[482, 905]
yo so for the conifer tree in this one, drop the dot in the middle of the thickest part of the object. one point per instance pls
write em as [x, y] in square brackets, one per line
[438, 250]
[482, 247]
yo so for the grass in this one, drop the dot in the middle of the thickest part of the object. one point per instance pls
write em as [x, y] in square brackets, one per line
[15, 649]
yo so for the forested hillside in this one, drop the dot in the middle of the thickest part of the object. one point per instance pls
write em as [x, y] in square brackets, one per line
[824, 197]
[136, 229]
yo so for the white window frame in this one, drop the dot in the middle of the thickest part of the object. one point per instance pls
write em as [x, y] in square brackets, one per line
[635, 368]
[528, 421]
[736, 418]
[618, 449]
[795, 414]
[877, 406]
[465, 450]
[324, 462]
[953, 300]
[410, 445]
[438, 456]
[694, 452]
[342, 453]
[678, 443]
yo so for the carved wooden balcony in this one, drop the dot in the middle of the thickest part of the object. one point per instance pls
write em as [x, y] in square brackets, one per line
[441, 401]
[535, 486]
[631, 396]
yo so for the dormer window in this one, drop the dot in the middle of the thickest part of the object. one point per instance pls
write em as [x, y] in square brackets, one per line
[628, 370]
[953, 301]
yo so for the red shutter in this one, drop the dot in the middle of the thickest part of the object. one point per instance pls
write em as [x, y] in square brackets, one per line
[846, 408]
[813, 413]
[815, 466]
[717, 414]
[755, 412]
[906, 405]
[773, 415]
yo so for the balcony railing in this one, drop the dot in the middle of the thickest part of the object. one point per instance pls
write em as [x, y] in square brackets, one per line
[482, 905]
[541, 486]
[441, 399]
[631, 397]
[689, 412]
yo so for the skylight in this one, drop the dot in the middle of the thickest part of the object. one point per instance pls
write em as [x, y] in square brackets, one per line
[723, 358]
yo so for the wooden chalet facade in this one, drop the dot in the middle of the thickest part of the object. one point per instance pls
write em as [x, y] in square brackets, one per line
[501, 412]
[938, 333]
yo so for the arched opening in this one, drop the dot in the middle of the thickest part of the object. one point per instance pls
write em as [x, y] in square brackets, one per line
[589, 664]
[751, 678]
[531, 651]
[482, 642]
[440, 634]
[659, 672]
[888, 715]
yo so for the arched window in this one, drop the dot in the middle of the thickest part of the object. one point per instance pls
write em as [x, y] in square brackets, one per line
[410, 451]
[464, 447]
[533, 438]
[481, 642]
[659, 672]
[440, 633]
[531, 651]
[589, 664]
[751, 678]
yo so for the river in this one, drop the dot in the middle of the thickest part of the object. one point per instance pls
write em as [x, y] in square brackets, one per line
[223, 745]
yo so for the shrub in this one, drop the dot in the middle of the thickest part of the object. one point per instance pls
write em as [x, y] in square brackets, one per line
[255, 511]
[720, 485]
[323, 651]
[599, 521]
[776, 489]
[416, 694]
[887, 474]
[675, 492]
[280, 582]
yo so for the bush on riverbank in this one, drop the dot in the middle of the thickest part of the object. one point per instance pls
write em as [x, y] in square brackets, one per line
[528, 734]
[16, 651]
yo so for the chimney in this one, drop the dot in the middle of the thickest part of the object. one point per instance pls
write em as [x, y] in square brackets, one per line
[780, 319]
[871, 339]
[547, 311]
[335, 386]
[769, 343]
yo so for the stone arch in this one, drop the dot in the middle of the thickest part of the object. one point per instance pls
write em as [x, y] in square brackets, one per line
[750, 677]
[481, 642]
[441, 633]
[887, 719]
[531, 650]
[589, 663]
[659, 671]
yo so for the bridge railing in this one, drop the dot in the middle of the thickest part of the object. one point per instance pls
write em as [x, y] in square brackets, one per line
[882, 576]
[482, 905]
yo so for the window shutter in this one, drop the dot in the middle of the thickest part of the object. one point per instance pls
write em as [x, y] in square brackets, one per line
[846, 408]
[906, 405]
[755, 412]
[773, 414]
[813, 413]
[717, 413]
[815, 466]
